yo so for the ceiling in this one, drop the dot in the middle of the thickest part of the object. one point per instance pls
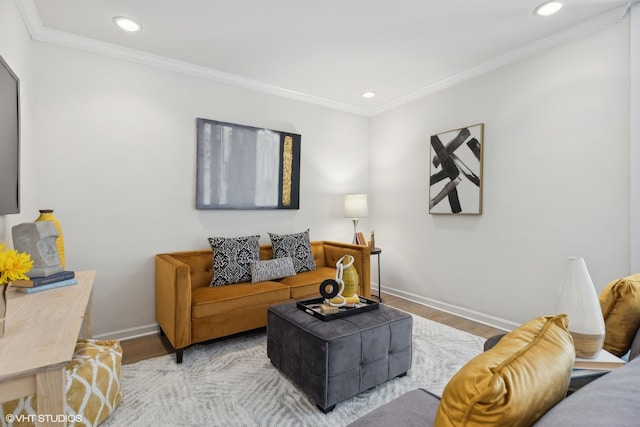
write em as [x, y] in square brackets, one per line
[323, 51]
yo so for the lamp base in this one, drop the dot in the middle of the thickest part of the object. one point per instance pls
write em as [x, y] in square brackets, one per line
[587, 345]
[355, 231]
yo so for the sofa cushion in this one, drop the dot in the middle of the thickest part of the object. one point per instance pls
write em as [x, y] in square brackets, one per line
[214, 300]
[297, 246]
[620, 303]
[611, 400]
[232, 259]
[515, 382]
[414, 408]
[307, 284]
[634, 351]
[271, 269]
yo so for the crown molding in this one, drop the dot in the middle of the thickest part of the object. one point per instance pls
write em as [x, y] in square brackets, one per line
[38, 32]
[601, 22]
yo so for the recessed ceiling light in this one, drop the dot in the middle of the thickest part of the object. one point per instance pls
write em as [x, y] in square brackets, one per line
[368, 94]
[127, 24]
[548, 8]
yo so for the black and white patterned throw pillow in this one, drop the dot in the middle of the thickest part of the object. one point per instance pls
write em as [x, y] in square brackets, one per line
[297, 246]
[232, 259]
[271, 269]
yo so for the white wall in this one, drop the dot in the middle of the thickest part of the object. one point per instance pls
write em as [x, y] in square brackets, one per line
[115, 155]
[15, 48]
[634, 157]
[556, 183]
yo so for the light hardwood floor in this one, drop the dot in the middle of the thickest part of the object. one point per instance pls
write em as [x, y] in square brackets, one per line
[149, 346]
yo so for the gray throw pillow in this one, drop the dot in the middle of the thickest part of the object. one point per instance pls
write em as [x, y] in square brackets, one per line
[232, 259]
[297, 246]
[270, 269]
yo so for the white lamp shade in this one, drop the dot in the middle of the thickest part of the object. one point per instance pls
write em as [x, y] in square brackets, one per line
[355, 206]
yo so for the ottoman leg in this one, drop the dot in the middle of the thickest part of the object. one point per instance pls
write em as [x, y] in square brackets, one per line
[327, 409]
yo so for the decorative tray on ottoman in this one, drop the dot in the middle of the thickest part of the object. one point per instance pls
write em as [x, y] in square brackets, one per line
[313, 307]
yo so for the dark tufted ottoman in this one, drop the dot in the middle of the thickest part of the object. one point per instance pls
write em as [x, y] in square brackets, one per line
[335, 360]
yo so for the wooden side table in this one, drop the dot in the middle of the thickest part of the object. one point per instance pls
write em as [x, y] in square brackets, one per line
[40, 336]
[378, 251]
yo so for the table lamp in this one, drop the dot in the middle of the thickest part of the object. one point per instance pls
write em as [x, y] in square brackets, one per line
[355, 207]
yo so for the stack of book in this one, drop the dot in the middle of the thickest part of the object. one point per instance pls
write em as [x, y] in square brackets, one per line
[52, 281]
[602, 363]
[360, 239]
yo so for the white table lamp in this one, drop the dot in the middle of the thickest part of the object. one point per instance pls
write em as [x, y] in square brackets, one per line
[355, 207]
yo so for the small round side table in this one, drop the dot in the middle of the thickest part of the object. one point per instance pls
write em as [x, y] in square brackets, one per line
[378, 251]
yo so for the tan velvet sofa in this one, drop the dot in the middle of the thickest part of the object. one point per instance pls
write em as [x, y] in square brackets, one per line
[189, 311]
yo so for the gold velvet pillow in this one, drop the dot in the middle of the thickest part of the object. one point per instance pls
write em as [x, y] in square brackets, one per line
[620, 303]
[514, 383]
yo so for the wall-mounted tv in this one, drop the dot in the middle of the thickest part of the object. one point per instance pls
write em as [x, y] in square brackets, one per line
[9, 140]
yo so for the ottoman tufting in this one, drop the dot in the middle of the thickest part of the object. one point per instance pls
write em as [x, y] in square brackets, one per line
[92, 386]
[334, 360]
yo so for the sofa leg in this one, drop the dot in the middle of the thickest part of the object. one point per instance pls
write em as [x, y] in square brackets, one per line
[402, 375]
[179, 353]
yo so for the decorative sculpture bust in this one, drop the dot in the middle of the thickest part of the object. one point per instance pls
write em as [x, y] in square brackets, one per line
[38, 239]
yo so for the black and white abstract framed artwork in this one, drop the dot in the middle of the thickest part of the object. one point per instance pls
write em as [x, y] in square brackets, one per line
[244, 167]
[455, 184]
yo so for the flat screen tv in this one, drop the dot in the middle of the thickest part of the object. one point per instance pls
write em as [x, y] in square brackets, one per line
[9, 140]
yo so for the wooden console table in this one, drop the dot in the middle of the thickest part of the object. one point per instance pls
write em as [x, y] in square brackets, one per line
[41, 332]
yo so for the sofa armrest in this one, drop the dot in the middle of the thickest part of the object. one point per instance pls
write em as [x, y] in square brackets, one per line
[173, 299]
[635, 347]
[414, 408]
[333, 251]
[610, 400]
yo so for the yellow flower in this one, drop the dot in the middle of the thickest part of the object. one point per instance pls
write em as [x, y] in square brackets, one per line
[14, 265]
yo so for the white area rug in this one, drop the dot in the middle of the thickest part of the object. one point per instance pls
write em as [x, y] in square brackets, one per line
[233, 383]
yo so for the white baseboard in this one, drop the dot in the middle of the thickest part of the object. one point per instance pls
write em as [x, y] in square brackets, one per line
[125, 334]
[495, 322]
[476, 316]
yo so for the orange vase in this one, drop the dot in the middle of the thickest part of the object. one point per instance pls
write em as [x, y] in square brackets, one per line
[47, 215]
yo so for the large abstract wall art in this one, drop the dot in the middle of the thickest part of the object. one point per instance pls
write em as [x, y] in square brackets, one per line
[243, 167]
[455, 185]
